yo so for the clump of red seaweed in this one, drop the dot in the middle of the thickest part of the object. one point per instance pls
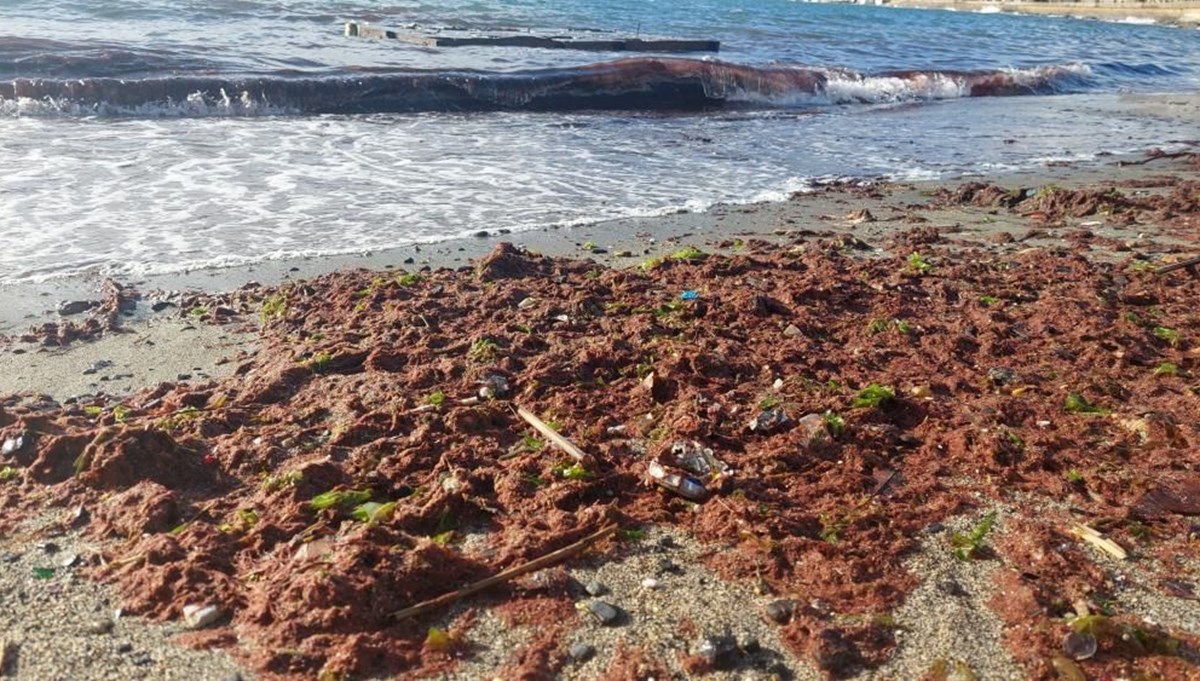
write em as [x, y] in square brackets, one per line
[320, 489]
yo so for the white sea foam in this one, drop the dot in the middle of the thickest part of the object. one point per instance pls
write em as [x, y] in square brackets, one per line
[196, 105]
[154, 195]
[1138, 21]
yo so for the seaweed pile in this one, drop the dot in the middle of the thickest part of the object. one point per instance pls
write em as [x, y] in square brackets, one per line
[848, 404]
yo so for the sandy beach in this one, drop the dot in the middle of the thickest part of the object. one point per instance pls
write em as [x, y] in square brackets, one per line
[936, 430]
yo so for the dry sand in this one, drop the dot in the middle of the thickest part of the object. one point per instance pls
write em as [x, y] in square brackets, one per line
[1177, 12]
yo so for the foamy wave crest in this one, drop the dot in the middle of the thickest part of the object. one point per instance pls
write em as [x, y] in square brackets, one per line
[649, 84]
[835, 86]
[194, 105]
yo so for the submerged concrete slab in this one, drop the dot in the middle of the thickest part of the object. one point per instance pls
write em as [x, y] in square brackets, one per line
[515, 39]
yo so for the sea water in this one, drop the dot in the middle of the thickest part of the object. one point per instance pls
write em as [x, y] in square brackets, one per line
[148, 136]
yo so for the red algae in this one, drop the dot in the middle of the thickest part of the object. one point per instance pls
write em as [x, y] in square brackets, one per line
[329, 483]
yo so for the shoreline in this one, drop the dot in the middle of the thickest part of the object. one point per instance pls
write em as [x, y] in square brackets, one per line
[1182, 13]
[28, 303]
[149, 347]
[24, 304]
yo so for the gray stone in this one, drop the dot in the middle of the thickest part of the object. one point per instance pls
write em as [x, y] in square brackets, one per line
[100, 626]
[581, 652]
[73, 307]
[951, 587]
[9, 650]
[718, 649]
[604, 613]
[781, 610]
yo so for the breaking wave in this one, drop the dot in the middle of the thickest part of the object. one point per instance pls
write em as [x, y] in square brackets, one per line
[637, 84]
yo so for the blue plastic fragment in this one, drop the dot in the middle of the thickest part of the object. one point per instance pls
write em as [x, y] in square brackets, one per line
[689, 295]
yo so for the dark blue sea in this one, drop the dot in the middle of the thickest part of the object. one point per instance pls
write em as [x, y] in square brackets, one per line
[148, 136]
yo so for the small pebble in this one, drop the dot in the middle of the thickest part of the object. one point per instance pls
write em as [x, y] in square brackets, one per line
[951, 587]
[101, 626]
[649, 583]
[781, 610]
[124, 647]
[595, 588]
[668, 566]
[604, 613]
[717, 648]
[581, 652]
[200, 616]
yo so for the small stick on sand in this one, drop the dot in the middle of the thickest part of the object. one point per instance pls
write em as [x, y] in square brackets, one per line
[1098, 540]
[1189, 265]
[581, 457]
[501, 577]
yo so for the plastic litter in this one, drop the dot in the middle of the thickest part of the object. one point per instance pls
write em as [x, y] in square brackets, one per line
[13, 444]
[684, 485]
[689, 295]
[697, 459]
[1079, 646]
[769, 420]
[493, 386]
[816, 433]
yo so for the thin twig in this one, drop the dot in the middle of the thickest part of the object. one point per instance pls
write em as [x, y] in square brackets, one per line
[580, 456]
[501, 577]
[1189, 265]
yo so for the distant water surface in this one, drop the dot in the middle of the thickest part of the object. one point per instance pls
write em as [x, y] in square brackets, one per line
[141, 137]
